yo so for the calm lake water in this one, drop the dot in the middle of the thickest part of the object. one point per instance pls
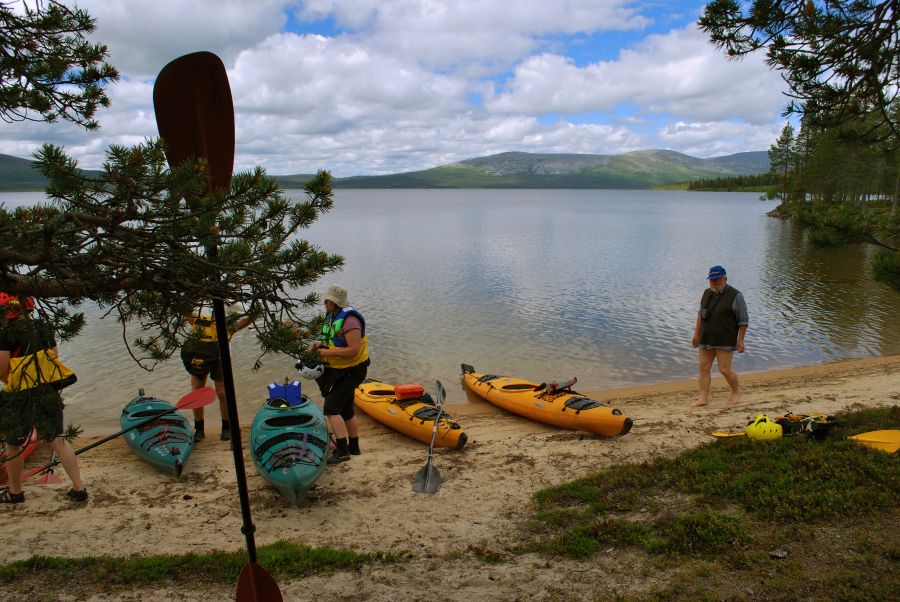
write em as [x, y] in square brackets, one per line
[541, 284]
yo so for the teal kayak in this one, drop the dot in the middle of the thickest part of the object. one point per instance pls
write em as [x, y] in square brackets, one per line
[166, 441]
[289, 441]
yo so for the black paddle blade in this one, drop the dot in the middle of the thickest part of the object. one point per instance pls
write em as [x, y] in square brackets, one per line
[195, 114]
[427, 480]
[256, 585]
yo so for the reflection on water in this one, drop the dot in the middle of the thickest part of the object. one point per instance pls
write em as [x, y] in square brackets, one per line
[543, 284]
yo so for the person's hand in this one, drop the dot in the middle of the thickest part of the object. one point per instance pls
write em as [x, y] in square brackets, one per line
[695, 340]
[740, 346]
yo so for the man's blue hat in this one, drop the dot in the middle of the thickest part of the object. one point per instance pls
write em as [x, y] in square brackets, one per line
[716, 271]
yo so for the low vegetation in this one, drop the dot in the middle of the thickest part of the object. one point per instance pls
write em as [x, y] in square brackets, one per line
[816, 516]
[281, 560]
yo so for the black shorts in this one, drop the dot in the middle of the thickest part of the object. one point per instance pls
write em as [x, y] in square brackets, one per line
[338, 385]
[202, 358]
[41, 408]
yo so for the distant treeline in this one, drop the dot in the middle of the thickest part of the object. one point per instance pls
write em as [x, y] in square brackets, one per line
[758, 182]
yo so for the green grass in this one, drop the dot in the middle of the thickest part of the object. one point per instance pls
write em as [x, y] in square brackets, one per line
[731, 502]
[281, 559]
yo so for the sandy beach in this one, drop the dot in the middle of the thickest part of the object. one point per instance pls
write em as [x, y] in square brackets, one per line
[368, 504]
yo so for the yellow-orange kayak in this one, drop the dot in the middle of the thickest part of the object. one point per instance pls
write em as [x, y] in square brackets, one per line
[412, 417]
[548, 403]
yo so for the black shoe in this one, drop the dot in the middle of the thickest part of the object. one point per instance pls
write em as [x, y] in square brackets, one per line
[226, 435]
[77, 496]
[11, 498]
[336, 459]
[199, 436]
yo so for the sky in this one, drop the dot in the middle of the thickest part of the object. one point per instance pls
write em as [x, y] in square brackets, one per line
[368, 87]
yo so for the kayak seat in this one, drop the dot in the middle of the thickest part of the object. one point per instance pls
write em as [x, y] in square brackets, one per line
[295, 420]
[519, 387]
[381, 392]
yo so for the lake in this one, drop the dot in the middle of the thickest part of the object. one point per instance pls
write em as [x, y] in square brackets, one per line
[542, 284]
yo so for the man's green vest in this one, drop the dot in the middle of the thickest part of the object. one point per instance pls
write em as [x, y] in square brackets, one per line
[720, 327]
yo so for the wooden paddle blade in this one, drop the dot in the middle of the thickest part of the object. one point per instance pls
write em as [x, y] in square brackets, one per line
[197, 398]
[427, 480]
[255, 584]
[195, 114]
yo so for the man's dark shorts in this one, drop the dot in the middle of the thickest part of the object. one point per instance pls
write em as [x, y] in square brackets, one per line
[338, 386]
[201, 359]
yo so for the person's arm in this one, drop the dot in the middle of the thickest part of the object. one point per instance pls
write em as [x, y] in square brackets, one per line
[354, 340]
[244, 323]
[695, 340]
[4, 365]
[740, 310]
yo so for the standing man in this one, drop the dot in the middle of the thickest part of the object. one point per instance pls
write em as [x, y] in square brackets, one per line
[719, 332]
[200, 356]
[344, 347]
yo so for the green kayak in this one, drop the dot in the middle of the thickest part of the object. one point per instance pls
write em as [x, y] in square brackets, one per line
[289, 441]
[164, 438]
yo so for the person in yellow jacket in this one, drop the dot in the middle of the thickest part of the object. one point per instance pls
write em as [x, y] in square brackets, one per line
[344, 347]
[201, 359]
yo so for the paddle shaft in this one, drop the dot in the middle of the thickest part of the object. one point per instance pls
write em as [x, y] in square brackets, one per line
[237, 451]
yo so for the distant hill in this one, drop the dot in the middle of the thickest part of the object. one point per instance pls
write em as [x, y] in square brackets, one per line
[639, 169]
[18, 175]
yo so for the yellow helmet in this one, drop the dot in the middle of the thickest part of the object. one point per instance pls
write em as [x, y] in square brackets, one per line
[763, 429]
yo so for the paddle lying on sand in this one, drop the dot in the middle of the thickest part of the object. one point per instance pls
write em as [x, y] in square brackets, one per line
[195, 117]
[888, 440]
[721, 435]
[195, 399]
[428, 479]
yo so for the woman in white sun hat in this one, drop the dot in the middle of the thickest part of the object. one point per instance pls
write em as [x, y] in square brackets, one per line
[344, 347]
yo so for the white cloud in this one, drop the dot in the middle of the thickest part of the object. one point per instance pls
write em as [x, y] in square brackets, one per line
[471, 32]
[678, 74]
[144, 35]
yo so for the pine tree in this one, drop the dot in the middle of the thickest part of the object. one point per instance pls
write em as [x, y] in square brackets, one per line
[133, 238]
[48, 69]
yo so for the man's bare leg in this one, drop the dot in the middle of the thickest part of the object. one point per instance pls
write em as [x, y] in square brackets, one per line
[723, 360]
[706, 360]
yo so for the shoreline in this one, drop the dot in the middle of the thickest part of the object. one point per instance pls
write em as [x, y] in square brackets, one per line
[367, 504]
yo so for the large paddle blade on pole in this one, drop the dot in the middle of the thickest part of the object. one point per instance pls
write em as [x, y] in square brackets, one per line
[195, 399]
[195, 116]
[428, 479]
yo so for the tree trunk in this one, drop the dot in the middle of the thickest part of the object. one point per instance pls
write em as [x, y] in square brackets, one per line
[896, 194]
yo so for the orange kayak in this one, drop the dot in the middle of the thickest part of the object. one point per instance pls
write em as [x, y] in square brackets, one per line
[548, 403]
[413, 417]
